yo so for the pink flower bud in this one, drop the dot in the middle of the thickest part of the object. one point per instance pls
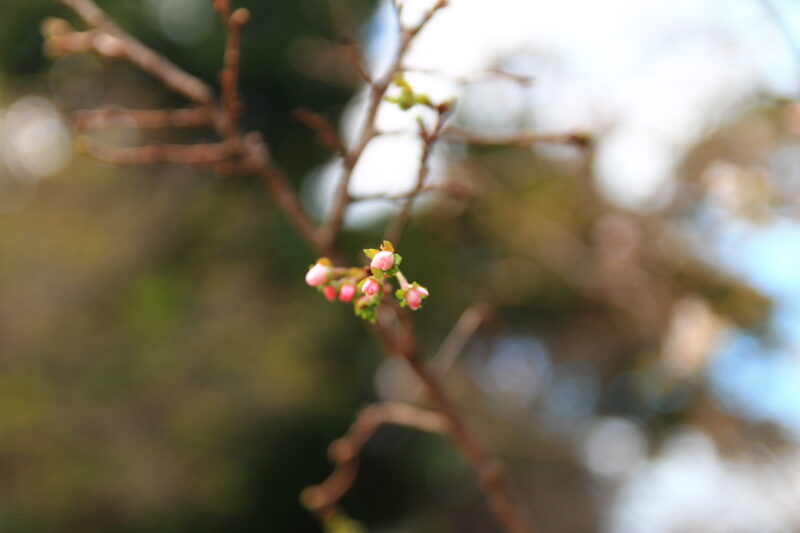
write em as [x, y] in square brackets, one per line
[347, 293]
[317, 275]
[414, 297]
[330, 293]
[371, 287]
[383, 260]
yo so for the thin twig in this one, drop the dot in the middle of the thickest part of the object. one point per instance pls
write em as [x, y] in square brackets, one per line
[229, 77]
[322, 127]
[519, 138]
[459, 336]
[332, 228]
[476, 77]
[357, 59]
[398, 224]
[344, 452]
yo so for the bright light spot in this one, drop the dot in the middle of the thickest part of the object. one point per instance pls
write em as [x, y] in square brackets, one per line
[515, 373]
[690, 487]
[612, 447]
[184, 21]
[36, 143]
[572, 394]
[693, 337]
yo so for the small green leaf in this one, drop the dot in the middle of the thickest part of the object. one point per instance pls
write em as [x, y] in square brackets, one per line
[400, 294]
[397, 259]
[371, 252]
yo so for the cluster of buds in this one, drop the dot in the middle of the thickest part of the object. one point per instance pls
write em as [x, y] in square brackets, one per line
[365, 287]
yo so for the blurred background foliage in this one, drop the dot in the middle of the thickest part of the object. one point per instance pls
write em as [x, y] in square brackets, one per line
[164, 369]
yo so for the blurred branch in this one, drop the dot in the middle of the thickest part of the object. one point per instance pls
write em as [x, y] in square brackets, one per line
[399, 338]
[519, 139]
[475, 77]
[344, 452]
[142, 119]
[469, 321]
[193, 154]
[112, 41]
[322, 127]
[108, 39]
[229, 77]
[357, 59]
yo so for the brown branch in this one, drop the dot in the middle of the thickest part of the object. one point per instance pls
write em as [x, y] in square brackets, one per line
[475, 77]
[344, 452]
[398, 224]
[257, 155]
[248, 152]
[193, 154]
[332, 228]
[125, 45]
[223, 8]
[457, 339]
[400, 340]
[89, 119]
[229, 77]
[357, 59]
[322, 127]
[519, 139]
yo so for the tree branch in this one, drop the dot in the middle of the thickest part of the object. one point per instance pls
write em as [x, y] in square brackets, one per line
[89, 119]
[333, 225]
[344, 452]
[139, 54]
[248, 152]
[398, 225]
[400, 339]
[520, 138]
[108, 39]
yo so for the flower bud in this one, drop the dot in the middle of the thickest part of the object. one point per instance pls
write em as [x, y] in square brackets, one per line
[383, 260]
[414, 296]
[371, 287]
[346, 293]
[330, 293]
[318, 275]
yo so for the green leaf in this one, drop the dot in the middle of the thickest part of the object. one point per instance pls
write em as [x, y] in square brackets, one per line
[371, 252]
[397, 259]
[400, 294]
